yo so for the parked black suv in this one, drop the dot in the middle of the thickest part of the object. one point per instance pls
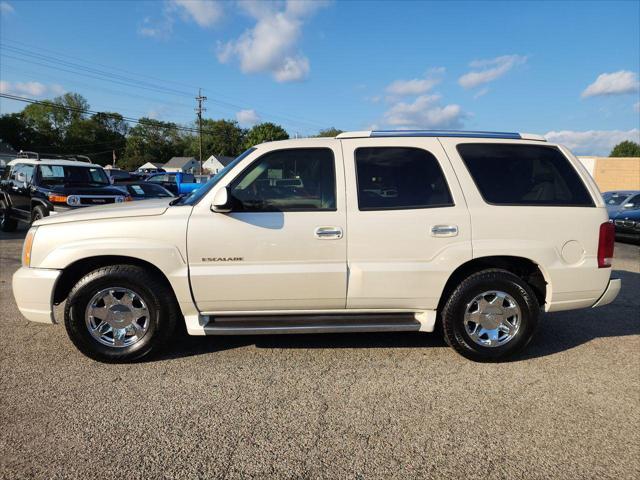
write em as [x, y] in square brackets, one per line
[31, 188]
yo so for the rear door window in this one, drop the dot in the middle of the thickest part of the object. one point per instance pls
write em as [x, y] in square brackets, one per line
[399, 178]
[516, 174]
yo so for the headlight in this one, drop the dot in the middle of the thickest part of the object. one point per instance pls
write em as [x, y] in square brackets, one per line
[73, 200]
[28, 245]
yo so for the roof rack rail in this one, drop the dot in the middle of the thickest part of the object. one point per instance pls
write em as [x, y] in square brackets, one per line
[71, 156]
[444, 133]
[441, 133]
[78, 158]
[26, 154]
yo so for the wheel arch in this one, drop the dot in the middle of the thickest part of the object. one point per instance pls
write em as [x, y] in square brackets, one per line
[524, 268]
[73, 272]
[40, 202]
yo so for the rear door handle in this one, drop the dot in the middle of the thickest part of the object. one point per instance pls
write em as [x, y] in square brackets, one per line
[328, 233]
[444, 231]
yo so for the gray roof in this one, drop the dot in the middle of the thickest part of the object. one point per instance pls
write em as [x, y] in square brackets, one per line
[225, 160]
[179, 162]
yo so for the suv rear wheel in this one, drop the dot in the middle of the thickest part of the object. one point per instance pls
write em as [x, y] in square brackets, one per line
[7, 224]
[492, 314]
[120, 313]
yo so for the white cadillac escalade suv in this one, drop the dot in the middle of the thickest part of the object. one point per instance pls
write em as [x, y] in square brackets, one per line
[368, 231]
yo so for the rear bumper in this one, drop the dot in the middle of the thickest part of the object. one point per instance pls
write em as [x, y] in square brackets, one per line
[610, 293]
[33, 290]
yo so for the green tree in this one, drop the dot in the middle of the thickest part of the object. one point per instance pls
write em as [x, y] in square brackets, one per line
[329, 132]
[98, 137]
[219, 137]
[15, 131]
[626, 149]
[264, 132]
[153, 141]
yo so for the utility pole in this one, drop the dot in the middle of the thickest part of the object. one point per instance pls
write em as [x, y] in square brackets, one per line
[199, 110]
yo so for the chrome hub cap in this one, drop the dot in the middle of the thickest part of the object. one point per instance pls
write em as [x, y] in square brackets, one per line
[117, 317]
[492, 318]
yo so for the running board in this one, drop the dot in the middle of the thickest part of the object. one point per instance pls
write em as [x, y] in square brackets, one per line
[283, 324]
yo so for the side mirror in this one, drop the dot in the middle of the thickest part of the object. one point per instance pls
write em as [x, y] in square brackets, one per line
[628, 205]
[221, 203]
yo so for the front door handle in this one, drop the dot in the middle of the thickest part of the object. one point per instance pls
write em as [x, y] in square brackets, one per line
[444, 231]
[328, 233]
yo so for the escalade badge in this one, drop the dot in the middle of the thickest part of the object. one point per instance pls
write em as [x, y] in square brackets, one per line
[222, 259]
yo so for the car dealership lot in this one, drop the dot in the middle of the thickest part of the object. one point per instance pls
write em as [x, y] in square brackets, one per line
[332, 406]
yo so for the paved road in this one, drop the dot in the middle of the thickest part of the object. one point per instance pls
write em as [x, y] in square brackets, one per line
[326, 406]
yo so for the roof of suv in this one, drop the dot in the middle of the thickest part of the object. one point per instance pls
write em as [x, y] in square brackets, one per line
[441, 133]
[53, 161]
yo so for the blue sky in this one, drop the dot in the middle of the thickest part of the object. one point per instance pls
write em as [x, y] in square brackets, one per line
[565, 69]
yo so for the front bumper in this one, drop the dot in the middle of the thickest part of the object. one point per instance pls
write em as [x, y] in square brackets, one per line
[610, 293]
[33, 290]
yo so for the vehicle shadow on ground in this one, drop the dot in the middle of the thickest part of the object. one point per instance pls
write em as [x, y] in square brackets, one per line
[557, 332]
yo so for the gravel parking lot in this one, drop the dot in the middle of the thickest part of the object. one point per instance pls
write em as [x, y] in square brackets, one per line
[326, 406]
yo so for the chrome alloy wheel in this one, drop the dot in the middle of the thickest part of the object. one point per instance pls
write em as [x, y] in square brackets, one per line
[492, 318]
[117, 317]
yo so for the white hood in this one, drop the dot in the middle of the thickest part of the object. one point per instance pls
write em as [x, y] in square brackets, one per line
[142, 208]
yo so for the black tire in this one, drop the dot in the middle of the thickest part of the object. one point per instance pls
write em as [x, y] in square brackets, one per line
[38, 212]
[158, 297]
[7, 224]
[454, 310]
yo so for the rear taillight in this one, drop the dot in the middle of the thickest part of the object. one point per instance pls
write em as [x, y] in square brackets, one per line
[606, 242]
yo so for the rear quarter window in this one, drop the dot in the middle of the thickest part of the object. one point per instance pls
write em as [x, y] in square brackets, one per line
[516, 174]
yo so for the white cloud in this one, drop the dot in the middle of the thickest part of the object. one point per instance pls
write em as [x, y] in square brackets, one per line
[204, 12]
[424, 112]
[485, 71]
[160, 29]
[6, 8]
[416, 86]
[247, 118]
[592, 142]
[616, 83]
[271, 45]
[30, 89]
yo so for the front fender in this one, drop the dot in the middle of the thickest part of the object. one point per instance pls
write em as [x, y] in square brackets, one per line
[165, 257]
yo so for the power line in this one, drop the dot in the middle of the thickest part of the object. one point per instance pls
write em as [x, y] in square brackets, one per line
[110, 67]
[77, 81]
[128, 81]
[94, 112]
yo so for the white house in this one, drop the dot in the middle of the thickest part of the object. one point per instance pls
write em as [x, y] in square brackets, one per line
[214, 164]
[182, 164]
[150, 167]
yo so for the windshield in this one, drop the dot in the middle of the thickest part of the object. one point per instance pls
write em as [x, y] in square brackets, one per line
[195, 196]
[64, 174]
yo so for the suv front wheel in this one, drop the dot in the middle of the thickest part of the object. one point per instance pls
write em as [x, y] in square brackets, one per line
[38, 212]
[492, 314]
[120, 313]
